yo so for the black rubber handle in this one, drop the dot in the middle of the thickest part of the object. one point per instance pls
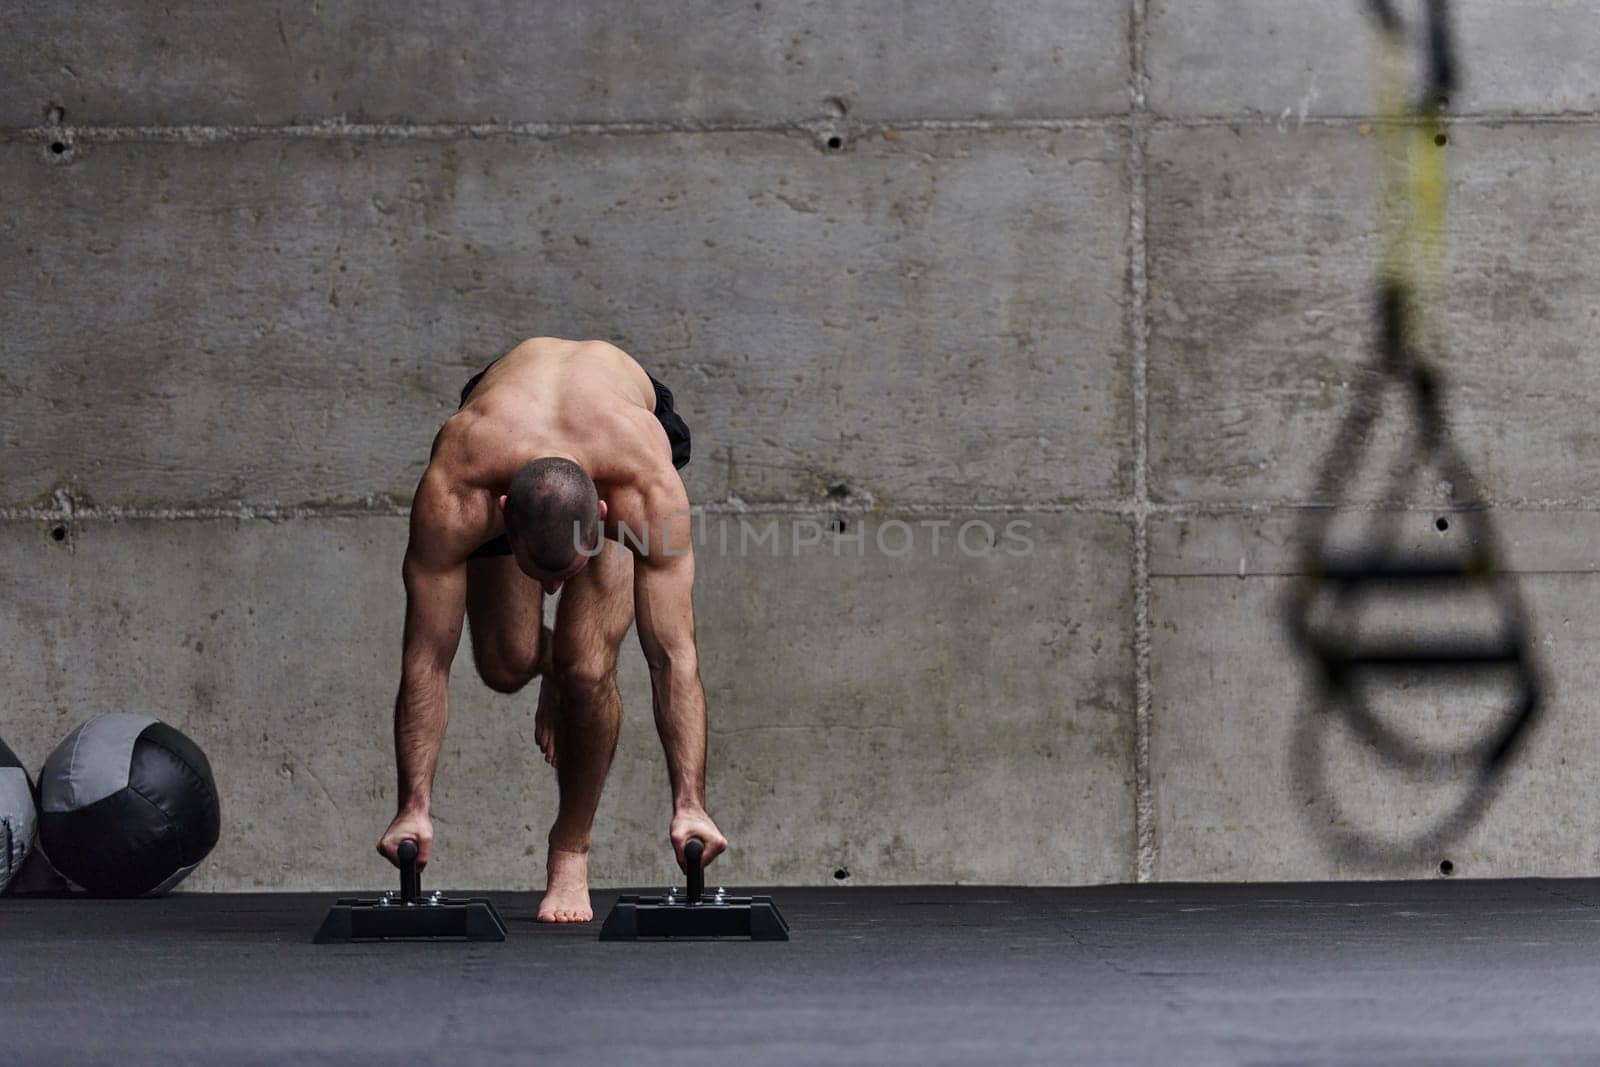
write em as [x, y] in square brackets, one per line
[692, 851]
[410, 881]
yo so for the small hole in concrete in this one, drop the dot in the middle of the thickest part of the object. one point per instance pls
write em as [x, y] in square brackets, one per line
[1440, 139]
[58, 147]
[841, 874]
[839, 526]
[58, 532]
[835, 142]
[1441, 524]
[1446, 868]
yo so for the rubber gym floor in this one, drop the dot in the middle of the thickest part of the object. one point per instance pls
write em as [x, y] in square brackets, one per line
[1445, 972]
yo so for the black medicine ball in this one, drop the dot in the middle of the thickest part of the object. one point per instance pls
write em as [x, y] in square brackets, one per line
[18, 815]
[127, 806]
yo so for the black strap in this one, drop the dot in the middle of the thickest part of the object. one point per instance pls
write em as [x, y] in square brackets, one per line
[1326, 604]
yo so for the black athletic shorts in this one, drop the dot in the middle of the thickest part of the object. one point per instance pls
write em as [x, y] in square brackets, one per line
[670, 420]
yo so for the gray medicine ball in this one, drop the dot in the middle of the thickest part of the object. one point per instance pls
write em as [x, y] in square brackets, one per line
[18, 815]
[127, 806]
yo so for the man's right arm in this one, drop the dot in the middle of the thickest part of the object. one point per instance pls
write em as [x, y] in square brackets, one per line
[435, 576]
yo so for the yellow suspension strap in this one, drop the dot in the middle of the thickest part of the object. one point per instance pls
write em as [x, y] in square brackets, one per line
[1413, 187]
[1326, 605]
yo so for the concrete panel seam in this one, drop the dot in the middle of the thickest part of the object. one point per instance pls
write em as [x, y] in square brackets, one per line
[1221, 508]
[1138, 305]
[1295, 572]
[818, 129]
[275, 513]
[1126, 509]
[1260, 120]
[450, 131]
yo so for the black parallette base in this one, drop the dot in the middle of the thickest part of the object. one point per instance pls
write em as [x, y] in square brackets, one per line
[755, 918]
[387, 919]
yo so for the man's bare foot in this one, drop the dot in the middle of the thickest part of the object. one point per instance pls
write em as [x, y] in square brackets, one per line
[544, 720]
[566, 896]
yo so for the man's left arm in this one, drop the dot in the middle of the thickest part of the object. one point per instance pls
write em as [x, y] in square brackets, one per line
[664, 606]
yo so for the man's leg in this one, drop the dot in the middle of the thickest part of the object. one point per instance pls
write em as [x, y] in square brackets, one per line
[594, 615]
[505, 609]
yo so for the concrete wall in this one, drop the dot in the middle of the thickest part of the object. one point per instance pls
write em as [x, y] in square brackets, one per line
[1097, 265]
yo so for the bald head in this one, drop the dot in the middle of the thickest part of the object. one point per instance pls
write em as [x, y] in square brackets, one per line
[553, 511]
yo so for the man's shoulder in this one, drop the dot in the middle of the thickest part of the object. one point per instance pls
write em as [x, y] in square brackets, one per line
[448, 518]
[650, 505]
